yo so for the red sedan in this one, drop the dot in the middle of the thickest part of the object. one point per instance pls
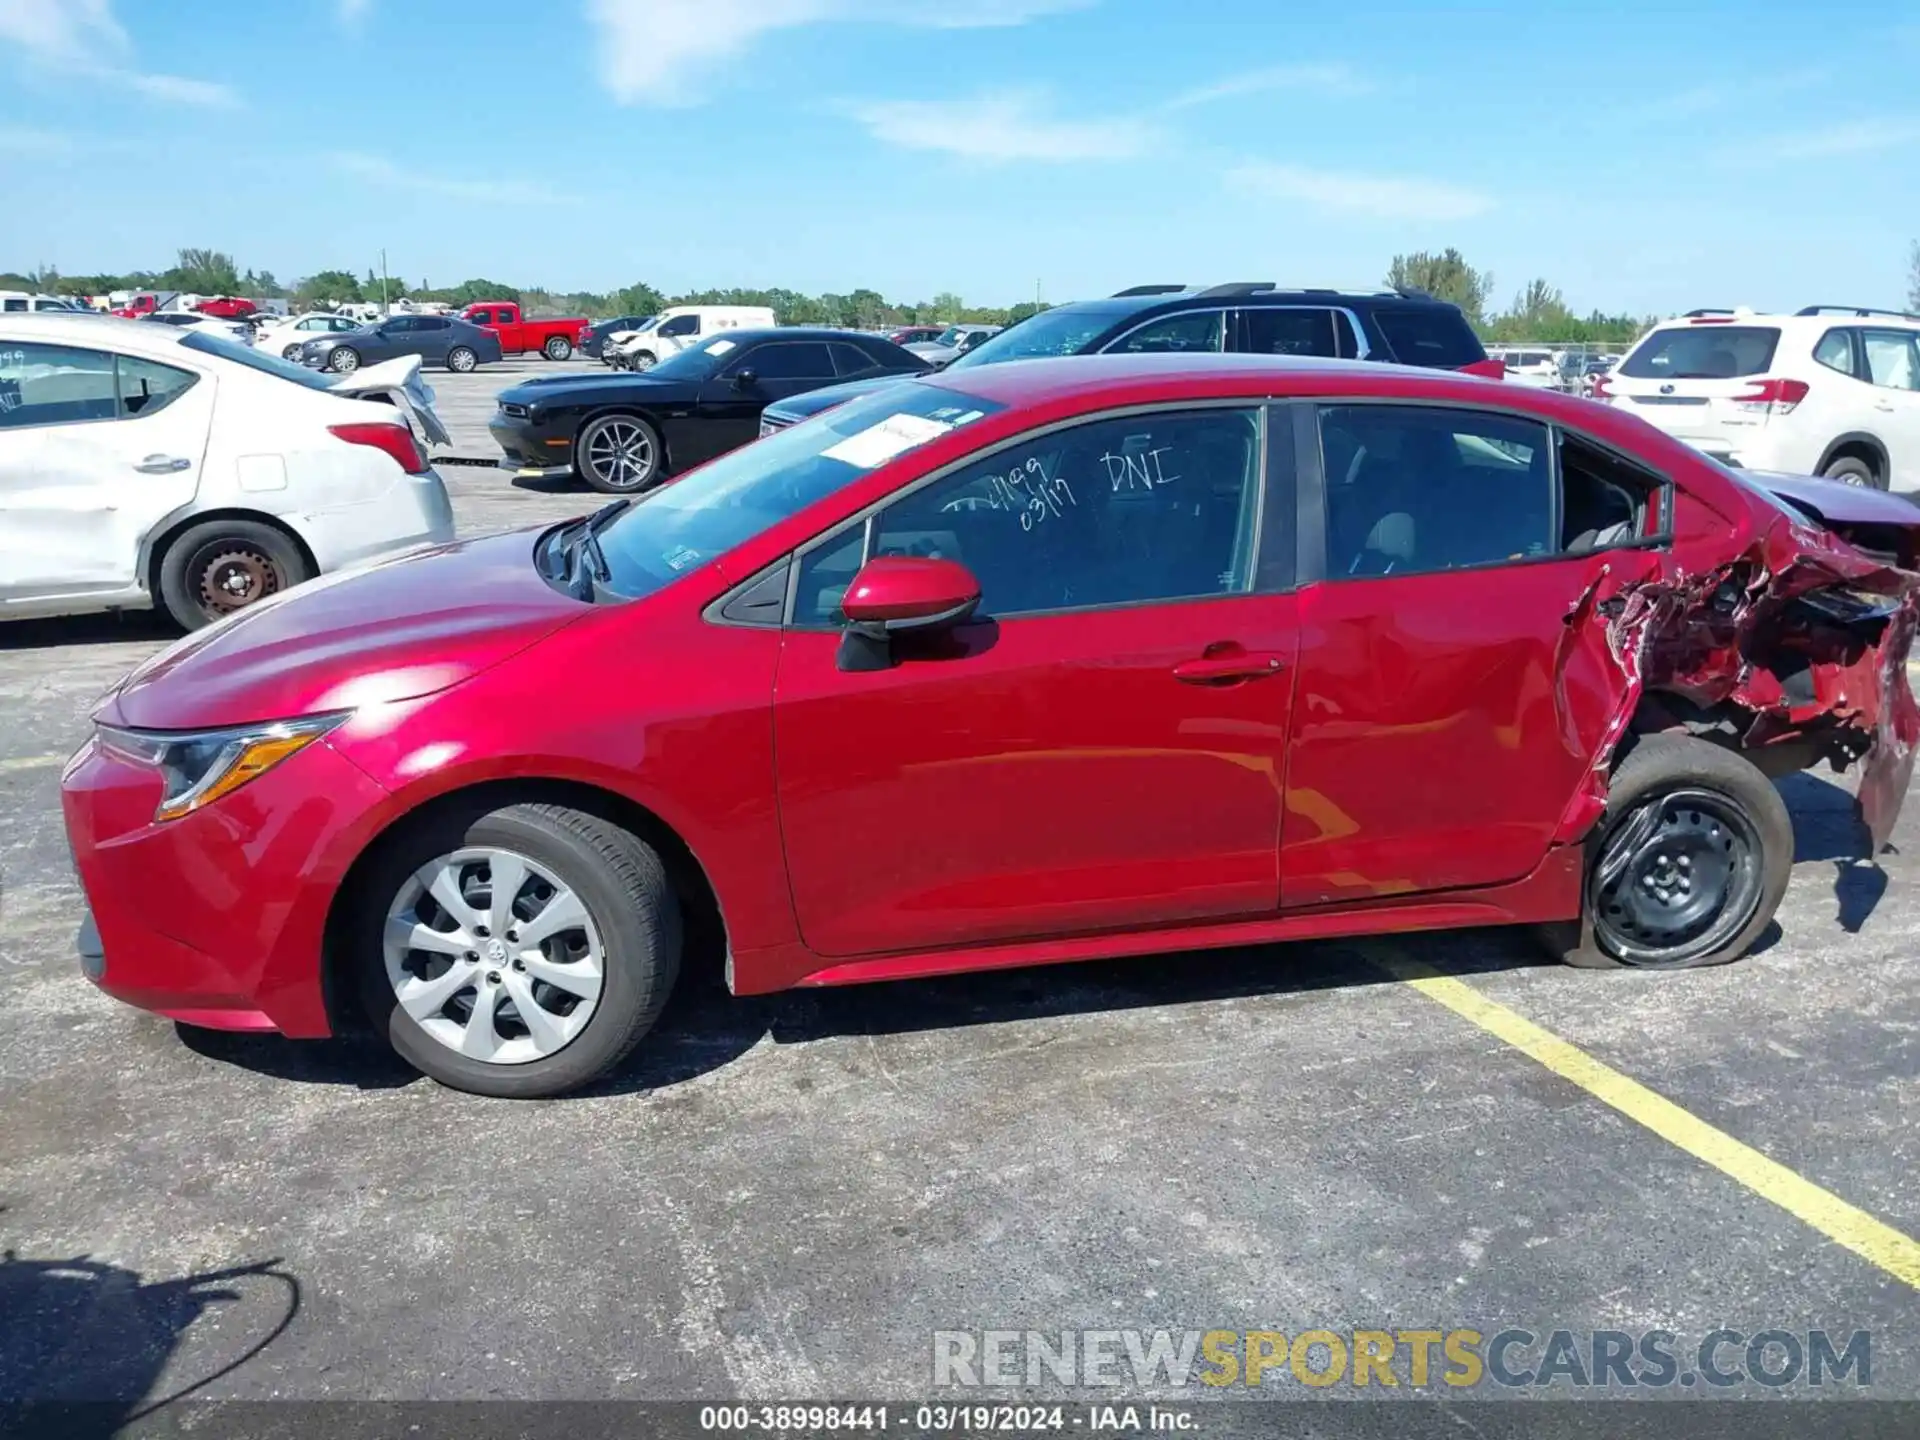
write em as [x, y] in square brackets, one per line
[1018, 664]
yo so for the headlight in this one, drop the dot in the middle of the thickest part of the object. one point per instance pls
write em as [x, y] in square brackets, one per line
[201, 767]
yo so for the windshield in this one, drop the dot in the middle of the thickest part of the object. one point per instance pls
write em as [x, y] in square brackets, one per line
[1066, 331]
[698, 363]
[210, 343]
[730, 500]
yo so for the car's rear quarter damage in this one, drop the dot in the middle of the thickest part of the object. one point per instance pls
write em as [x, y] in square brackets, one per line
[1792, 650]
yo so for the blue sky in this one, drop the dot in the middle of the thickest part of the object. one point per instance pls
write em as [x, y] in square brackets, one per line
[1640, 156]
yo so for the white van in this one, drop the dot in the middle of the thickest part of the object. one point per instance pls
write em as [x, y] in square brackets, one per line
[19, 302]
[674, 329]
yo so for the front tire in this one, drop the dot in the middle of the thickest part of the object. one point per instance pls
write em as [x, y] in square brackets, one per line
[645, 360]
[291, 352]
[1688, 864]
[343, 360]
[461, 360]
[211, 570]
[618, 454]
[558, 347]
[521, 953]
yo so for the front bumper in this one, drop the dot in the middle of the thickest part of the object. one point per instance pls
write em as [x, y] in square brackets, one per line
[216, 919]
[530, 448]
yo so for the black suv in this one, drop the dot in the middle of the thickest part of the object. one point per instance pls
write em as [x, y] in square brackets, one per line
[1248, 318]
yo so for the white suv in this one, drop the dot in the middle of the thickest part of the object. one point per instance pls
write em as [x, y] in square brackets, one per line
[1829, 390]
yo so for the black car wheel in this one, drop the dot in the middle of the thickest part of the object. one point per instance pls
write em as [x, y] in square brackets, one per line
[1689, 862]
[222, 566]
[460, 360]
[558, 347]
[1853, 470]
[618, 454]
[292, 352]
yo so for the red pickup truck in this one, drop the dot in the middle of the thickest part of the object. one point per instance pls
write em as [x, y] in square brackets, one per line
[554, 339]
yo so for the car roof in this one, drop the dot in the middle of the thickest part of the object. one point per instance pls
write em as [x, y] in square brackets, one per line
[85, 331]
[797, 332]
[1147, 378]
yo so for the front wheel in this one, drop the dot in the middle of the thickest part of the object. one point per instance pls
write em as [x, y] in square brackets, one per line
[1688, 864]
[645, 360]
[558, 347]
[520, 953]
[618, 454]
[291, 352]
[214, 569]
[343, 360]
[460, 360]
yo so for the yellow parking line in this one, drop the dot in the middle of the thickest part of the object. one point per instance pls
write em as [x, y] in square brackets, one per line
[1872, 1240]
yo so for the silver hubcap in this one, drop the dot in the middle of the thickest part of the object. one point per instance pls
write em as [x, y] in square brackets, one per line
[620, 454]
[345, 360]
[641, 362]
[462, 360]
[494, 956]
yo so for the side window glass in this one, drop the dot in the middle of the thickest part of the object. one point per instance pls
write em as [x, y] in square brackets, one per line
[825, 576]
[147, 386]
[1290, 332]
[1195, 330]
[682, 325]
[1345, 341]
[1891, 359]
[850, 360]
[792, 360]
[1117, 512]
[482, 317]
[1605, 501]
[54, 385]
[1835, 351]
[1413, 490]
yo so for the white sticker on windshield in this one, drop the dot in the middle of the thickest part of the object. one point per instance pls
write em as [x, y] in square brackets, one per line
[879, 443]
[720, 347]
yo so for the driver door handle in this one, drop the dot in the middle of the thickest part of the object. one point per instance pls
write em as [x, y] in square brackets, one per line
[163, 465]
[1227, 668]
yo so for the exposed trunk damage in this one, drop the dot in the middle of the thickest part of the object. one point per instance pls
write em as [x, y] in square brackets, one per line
[1793, 652]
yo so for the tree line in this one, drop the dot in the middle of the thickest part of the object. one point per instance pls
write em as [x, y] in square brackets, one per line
[1538, 311]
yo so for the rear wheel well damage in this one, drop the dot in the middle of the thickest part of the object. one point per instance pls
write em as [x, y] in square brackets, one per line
[705, 928]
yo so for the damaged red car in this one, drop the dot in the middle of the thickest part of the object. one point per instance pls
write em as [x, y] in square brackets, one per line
[1006, 666]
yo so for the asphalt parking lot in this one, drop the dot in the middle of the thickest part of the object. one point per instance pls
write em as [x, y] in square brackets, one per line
[788, 1196]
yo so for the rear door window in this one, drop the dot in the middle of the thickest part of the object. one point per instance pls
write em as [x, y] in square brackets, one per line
[1703, 352]
[1277, 331]
[1892, 359]
[788, 360]
[1436, 336]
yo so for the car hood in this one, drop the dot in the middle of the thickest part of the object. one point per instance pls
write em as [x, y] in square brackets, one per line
[1835, 502]
[393, 631]
[812, 402]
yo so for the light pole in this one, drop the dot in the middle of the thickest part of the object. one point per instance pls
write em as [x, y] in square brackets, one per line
[383, 283]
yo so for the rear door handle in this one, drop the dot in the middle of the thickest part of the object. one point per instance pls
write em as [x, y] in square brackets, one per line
[163, 465]
[1221, 669]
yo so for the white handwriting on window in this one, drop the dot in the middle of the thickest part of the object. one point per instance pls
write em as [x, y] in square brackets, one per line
[1137, 471]
[1030, 491]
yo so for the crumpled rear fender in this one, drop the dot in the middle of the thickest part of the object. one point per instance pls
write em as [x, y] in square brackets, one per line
[1801, 637]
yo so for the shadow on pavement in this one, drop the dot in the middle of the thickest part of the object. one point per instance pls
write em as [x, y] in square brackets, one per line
[83, 1343]
[122, 627]
[1827, 826]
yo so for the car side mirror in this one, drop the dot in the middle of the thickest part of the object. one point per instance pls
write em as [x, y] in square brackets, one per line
[901, 595]
[745, 379]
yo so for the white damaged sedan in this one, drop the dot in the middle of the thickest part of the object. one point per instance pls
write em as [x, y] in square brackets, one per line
[147, 466]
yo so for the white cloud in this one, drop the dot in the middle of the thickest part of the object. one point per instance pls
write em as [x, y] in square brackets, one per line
[1005, 125]
[81, 39]
[664, 52]
[1386, 197]
[1858, 137]
[1318, 79]
[378, 170]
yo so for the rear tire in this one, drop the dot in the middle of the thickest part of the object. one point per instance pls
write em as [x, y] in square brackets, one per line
[1686, 867]
[461, 360]
[558, 347]
[620, 958]
[343, 360]
[1853, 470]
[213, 569]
